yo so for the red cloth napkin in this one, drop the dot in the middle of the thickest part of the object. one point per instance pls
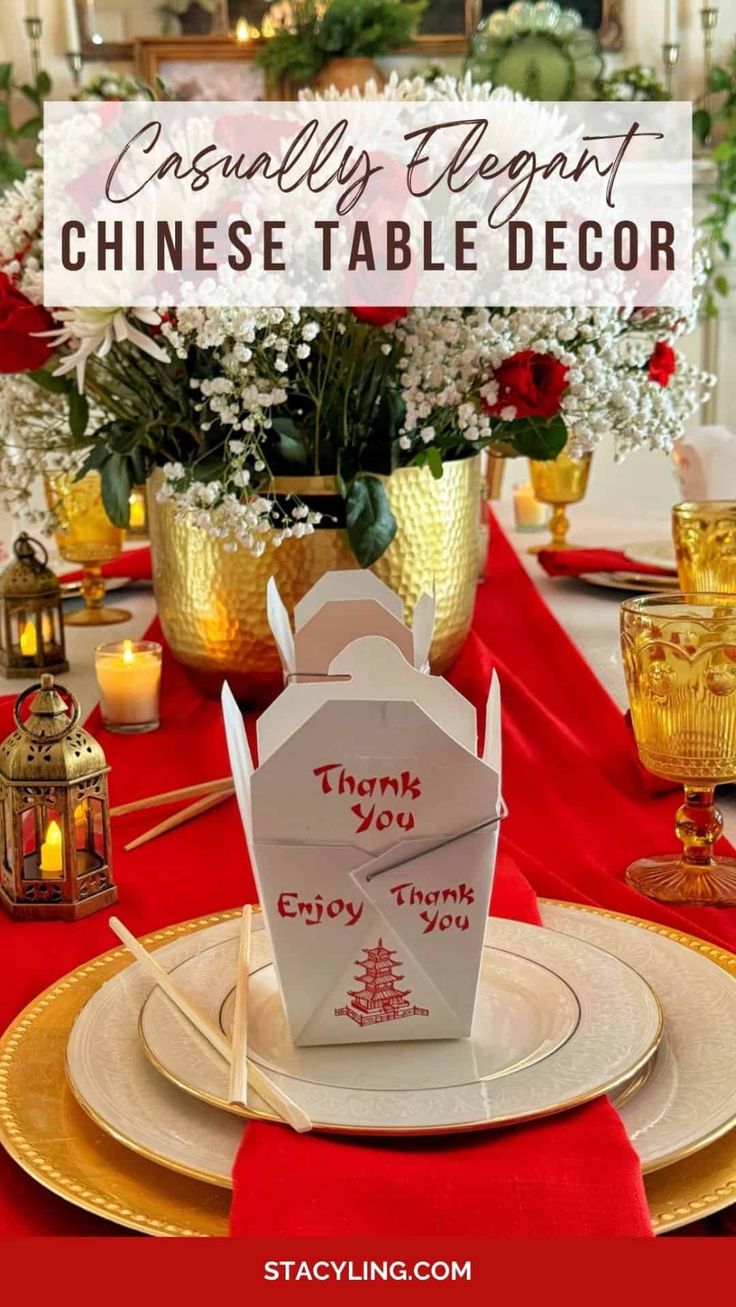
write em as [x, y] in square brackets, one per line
[575, 1174]
[573, 562]
[133, 563]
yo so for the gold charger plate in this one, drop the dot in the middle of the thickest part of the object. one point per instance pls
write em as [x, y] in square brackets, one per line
[51, 1137]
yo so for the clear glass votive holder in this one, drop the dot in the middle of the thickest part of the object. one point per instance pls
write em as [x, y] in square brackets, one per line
[129, 680]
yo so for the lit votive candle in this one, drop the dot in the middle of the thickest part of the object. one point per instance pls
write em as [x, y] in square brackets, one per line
[129, 680]
[529, 514]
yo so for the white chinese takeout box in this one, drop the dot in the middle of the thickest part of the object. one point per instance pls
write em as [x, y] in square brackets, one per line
[342, 607]
[372, 826]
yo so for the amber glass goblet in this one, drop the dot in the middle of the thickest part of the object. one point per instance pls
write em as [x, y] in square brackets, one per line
[559, 481]
[86, 536]
[705, 545]
[679, 656]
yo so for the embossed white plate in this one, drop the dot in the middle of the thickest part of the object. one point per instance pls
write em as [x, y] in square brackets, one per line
[557, 1022]
[688, 1100]
[113, 1080]
[631, 582]
[689, 1097]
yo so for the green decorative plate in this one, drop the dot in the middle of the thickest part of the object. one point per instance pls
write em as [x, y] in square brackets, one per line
[541, 50]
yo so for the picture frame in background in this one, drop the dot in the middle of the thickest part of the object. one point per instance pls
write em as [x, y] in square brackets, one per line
[202, 68]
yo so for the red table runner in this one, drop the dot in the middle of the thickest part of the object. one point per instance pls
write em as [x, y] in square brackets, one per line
[578, 815]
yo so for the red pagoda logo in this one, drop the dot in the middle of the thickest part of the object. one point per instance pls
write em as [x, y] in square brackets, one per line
[379, 999]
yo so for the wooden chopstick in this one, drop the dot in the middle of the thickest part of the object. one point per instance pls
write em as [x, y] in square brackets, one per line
[179, 818]
[172, 796]
[239, 1063]
[286, 1108]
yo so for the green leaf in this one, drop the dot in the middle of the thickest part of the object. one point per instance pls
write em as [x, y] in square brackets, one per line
[43, 84]
[78, 413]
[290, 442]
[116, 488]
[95, 459]
[434, 462]
[702, 125]
[720, 79]
[542, 439]
[47, 381]
[6, 72]
[721, 284]
[30, 128]
[370, 523]
[11, 169]
[5, 127]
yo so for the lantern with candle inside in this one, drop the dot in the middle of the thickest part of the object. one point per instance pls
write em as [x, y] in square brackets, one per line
[129, 680]
[31, 619]
[54, 812]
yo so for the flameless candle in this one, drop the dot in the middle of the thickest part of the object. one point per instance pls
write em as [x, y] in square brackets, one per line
[129, 678]
[242, 31]
[529, 514]
[670, 21]
[52, 853]
[28, 641]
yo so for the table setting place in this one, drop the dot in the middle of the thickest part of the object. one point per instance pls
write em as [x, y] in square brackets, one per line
[362, 1017]
[342, 892]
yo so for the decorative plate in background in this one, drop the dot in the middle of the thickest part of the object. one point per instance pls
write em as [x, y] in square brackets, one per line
[541, 50]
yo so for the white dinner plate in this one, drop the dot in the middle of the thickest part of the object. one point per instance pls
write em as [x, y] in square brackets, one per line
[652, 553]
[687, 1101]
[115, 1082]
[557, 1022]
[631, 582]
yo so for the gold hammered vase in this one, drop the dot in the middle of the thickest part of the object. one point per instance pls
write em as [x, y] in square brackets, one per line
[212, 603]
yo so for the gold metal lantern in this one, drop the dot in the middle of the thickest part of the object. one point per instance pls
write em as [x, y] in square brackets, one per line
[31, 619]
[54, 812]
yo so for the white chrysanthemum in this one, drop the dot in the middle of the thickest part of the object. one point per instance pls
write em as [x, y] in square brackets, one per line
[95, 331]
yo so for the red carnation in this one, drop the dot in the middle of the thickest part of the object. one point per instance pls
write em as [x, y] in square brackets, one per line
[379, 317]
[21, 350]
[662, 364]
[532, 384]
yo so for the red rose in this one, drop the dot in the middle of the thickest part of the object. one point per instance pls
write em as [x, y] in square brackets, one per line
[379, 317]
[663, 363]
[21, 350]
[531, 383]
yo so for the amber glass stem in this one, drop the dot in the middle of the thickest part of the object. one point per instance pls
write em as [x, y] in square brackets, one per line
[93, 587]
[559, 525]
[699, 823]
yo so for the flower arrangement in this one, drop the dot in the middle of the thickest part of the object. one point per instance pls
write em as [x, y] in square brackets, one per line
[110, 85]
[225, 400]
[307, 33]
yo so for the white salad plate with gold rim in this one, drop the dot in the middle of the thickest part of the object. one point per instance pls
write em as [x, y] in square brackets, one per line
[560, 1022]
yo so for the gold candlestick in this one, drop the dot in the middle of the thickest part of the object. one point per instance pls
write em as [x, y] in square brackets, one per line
[34, 27]
[709, 22]
[670, 56]
[74, 64]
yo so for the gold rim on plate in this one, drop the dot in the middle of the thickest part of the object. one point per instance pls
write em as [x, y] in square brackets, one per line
[68, 1153]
